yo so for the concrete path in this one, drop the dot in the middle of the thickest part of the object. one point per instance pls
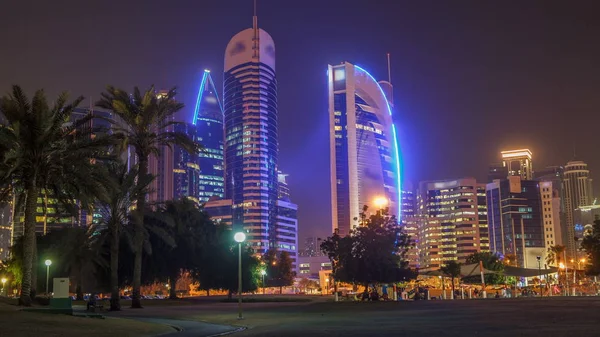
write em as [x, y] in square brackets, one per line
[181, 328]
[190, 328]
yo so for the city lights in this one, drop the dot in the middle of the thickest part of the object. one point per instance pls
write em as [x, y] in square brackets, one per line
[380, 202]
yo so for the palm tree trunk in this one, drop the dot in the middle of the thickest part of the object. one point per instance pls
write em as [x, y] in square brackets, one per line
[138, 238]
[453, 289]
[115, 297]
[173, 286]
[34, 266]
[28, 243]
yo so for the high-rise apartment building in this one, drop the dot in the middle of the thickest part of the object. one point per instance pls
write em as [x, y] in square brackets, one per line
[251, 145]
[577, 188]
[515, 219]
[208, 122]
[550, 214]
[454, 221]
[364, 154]
[410, 221]
[518, 163]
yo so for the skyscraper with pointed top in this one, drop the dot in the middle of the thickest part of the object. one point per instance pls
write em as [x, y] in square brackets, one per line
[208, 128]
[251, 145]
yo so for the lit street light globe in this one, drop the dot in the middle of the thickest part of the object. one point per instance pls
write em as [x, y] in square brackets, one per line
[263, 272]
[48, 262]
[239, 237]
[380, 202]
[3, 281]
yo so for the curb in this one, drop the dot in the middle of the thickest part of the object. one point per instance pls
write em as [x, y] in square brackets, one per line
[228, 332]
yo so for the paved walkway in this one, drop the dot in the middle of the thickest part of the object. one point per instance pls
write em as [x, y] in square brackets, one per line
[182, 328]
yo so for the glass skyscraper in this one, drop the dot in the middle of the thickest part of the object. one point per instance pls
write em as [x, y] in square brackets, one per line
[251, 146]
[365, 163]
[207, 125]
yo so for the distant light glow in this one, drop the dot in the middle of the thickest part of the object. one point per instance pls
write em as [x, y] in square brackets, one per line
[380, 202]
[395, 141]
[48, 263]
[206, 70]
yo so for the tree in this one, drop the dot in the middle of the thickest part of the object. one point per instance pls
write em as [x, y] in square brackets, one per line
[75, 252]
[491, 261]
[555, 254]
[591, 245]
[121, 195]
[279, 269]
[148, 123]
[452, 269]
[190, 229]
[373, 253]
[219, 270]
[43, 151]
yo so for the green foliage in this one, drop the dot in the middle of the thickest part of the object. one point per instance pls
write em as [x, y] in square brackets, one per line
[591, 245]
[219, 269]
[452, 269]
[42, 150]
[147, 125]
[278, 266]
[491, 261]
[555, 254]
[373, 253]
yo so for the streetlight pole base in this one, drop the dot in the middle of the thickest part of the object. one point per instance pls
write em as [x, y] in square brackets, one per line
[240, 318]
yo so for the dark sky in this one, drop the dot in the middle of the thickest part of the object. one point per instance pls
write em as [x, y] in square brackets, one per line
[471, 77]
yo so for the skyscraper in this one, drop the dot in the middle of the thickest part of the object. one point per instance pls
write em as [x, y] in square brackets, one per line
[454, 221]
[577, 186]
[515, 219]
[208, 125]
[364, 154]
[251, 145]
[518, 163]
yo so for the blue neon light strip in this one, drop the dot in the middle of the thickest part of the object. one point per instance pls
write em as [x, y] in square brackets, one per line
[396, 150]
[199, 99]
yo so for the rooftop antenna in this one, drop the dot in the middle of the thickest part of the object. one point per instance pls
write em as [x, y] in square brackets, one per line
[389, 67]
[255, 45]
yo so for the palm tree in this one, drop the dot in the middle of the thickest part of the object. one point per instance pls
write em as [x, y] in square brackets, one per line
[147, 125]
[115, 214]
[452, 269]
[42, 151]
[554, 254]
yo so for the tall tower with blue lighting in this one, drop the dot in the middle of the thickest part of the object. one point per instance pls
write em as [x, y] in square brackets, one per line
[364, 153]
[251, 145]
[207, 128]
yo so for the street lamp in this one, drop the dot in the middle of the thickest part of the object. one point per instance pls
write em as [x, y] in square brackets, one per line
[327, 286]
[3, 283]
[239, 237]
[380, 202]
[48, 263]
[263, 273]
[539, 260]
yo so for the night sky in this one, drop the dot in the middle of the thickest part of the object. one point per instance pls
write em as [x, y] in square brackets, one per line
[471, 77]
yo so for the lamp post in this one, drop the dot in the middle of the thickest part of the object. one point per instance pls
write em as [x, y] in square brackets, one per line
[327, 286]
[539, 260]
[3, 283]
[48, 263]
[239, 237]
[263, 273]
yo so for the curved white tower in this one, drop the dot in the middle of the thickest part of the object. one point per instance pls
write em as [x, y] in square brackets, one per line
[365, 163]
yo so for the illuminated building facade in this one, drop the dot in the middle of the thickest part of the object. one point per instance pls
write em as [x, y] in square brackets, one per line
[251, 144]
[518, 163]
[410, 222]
[454, 221]
[208, 123]
[516, 220]
[364, 154]
[551, 214]
[577, 186]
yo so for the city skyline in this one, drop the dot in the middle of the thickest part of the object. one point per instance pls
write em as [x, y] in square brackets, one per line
[445, 72]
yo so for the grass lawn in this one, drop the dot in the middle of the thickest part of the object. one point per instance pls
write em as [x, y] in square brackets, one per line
[556, 317]
[16, 323]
